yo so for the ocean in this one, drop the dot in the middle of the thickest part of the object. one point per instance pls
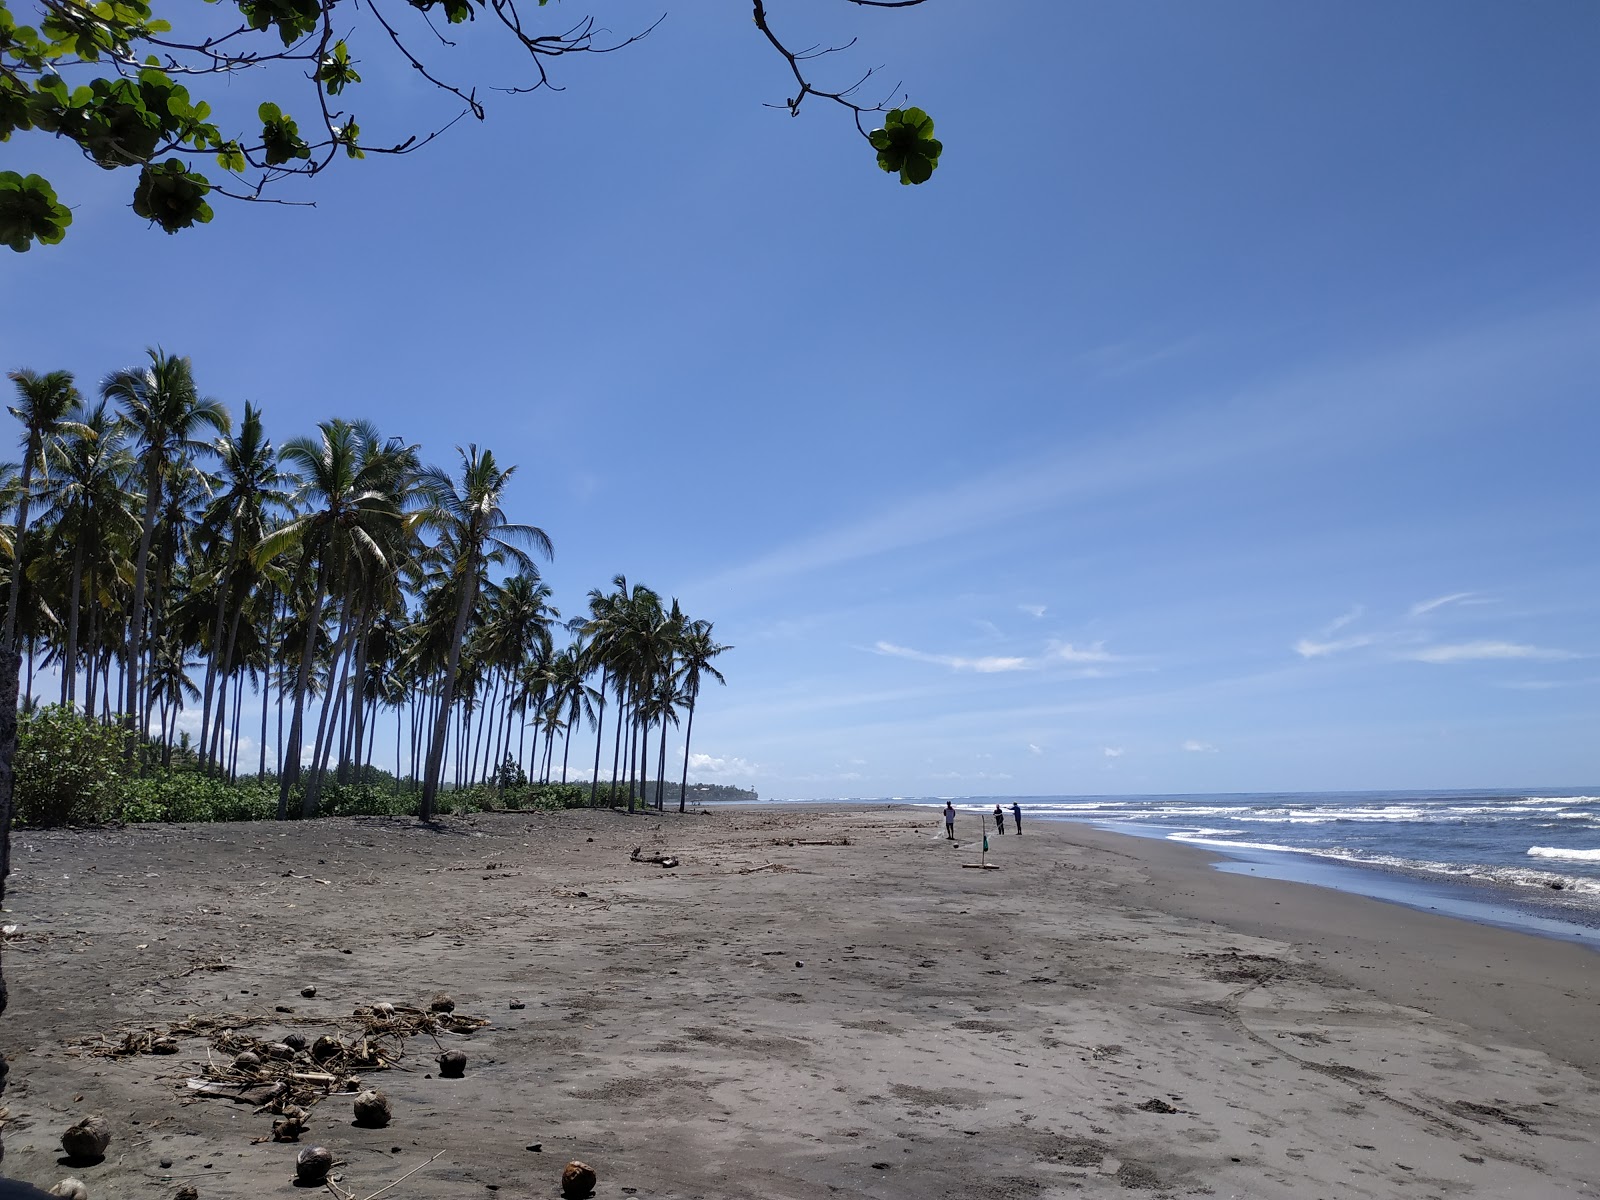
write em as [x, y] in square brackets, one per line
[1526, 859]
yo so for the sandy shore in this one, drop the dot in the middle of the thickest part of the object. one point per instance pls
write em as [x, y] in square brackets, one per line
[1102, 1015]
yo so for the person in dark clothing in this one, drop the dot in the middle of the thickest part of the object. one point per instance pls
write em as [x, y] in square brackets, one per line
[999, 819]
[1016, 816]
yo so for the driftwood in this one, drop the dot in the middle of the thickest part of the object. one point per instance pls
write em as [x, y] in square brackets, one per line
[666, 860]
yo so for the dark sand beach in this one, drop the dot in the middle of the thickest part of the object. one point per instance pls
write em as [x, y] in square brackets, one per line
[1102, 1016]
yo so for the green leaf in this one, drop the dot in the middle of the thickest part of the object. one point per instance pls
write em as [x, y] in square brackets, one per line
[30, 212]
[172, 196]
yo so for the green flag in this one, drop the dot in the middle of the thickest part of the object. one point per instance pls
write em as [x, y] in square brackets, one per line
[986, 843]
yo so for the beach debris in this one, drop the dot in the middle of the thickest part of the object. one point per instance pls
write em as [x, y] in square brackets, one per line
[87, 1140]
[326, 1048]
[187, 1192]
[372, 1109]
[248, 1061]
[164, 1045]
[72, 1188]
[665, 860]
[1157, 1105]
[309, 990]
[295, 1041]
[290, 1125]
[280, 1050]
[311, 1165]
[577, 1180]
[442, 1003]
[518, 1004]
[383, 1010]
[452, 1064]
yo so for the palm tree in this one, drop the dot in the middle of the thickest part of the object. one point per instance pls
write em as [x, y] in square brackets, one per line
[45, 403]
[164, 409]
[473, 533]
[234, 523]
[89, 509]
[348, 521]
[571, 696]
[696, 649]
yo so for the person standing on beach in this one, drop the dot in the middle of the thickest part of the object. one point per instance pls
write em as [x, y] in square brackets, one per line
[950, 820]
[999, 819]
[1016, 816]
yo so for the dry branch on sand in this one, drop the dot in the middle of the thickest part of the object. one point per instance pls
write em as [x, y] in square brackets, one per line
[639, 856]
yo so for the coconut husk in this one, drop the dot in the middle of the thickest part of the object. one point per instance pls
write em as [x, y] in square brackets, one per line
[577, 1180]
[71, 1189]
[87, 1140]
[372, 1109]
[311, 1165]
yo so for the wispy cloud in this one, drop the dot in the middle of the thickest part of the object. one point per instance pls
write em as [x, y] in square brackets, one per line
[987, 665]
[1421, 607]
[1544, 685]
[1484, 651]
[1032, 749]
[1033, 610]
[1307, 648]
[1114, 751]
[1095, 652]
[1339, 622]
[1195, 747]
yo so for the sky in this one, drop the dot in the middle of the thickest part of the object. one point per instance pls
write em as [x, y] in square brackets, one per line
[1221, 417]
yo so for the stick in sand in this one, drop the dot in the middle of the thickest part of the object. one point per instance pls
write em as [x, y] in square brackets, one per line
[981, 864]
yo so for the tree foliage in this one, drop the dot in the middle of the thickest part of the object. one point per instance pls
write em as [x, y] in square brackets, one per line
[116, 79]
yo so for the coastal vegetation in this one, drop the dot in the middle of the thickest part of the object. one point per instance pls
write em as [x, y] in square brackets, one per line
[162, 561]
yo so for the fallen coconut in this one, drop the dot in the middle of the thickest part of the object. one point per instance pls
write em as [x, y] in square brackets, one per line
[248, 1061]
[87, 1140]
[383, 1009]
[442, 1003]
[71, 1188]
[280, 1050]
[164, 1045]
[311, 1165]
[309, 990]
[187, 1192]
[326, 1047]
[295, 1041]
[577, 1180]
[518, 1004]
[372, 1109]
[452, 1064]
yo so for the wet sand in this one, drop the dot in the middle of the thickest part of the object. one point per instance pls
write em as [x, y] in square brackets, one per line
[1103, 1016]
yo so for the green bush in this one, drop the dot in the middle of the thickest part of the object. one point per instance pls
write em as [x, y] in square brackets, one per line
[188, 796]
[68, 768]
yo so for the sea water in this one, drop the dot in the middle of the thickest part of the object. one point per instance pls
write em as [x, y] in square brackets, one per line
[1527, 859]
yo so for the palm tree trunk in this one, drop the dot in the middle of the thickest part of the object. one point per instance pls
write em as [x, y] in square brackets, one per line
[152, 501]
[599, 737]
[266, 689]
[212, 663]
[616, 749]
[338, 662]
[18, 562]
[688, 732]
[430, 787]
[69, 665]
[661, 769]
[289, 766]
[238, 711]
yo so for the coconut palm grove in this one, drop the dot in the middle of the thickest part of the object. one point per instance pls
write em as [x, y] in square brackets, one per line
[163, 559]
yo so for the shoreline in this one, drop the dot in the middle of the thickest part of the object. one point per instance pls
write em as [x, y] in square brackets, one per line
[812, 1003]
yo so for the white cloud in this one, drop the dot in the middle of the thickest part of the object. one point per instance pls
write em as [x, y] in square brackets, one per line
[1306, 648]
[1195, 747]
[1484, 651]
[1114, 751]
[708, 764]
[1093, 653]
[1338, 623]
[1033, 610]
[1427, 606]
[987, 665]
[1032, 749]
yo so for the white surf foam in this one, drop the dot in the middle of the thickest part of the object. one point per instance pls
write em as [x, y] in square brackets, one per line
[1569, 855]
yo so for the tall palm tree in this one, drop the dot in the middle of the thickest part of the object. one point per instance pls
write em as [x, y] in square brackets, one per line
[45, 401]
[473, 534]
[696, 649]
[165, 410]
[349, 520]
[252, 488]
[571, 696]
[90, 512]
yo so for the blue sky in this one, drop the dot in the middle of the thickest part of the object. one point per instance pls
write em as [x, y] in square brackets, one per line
[1222, 416]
